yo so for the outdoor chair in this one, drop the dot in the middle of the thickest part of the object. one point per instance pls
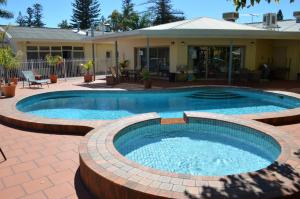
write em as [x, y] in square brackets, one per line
[30, 78]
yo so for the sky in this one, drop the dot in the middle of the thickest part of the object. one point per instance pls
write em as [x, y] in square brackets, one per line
[57, 10]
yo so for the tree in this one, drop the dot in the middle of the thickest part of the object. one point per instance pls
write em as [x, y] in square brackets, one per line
[29, 17]
[280, 16]
[129, 16]
[85, 13]
[144, 21]
[163, 12]
[64, 25]
[115, 21]
[21, 21]
[37, 15]
[247, 3]
[4, 13]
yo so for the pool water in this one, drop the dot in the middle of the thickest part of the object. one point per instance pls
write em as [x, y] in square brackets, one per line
[205, 148]
[108, 105]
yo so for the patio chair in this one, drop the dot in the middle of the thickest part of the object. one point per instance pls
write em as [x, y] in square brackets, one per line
[30, 78]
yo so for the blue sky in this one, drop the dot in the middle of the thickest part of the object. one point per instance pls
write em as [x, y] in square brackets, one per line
[57, 10]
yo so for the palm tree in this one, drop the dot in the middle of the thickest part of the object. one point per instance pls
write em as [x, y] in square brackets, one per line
[4, 13]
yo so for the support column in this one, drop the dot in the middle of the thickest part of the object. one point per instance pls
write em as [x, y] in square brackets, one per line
[94, 66]
[148, 53]
[117, 59]
[230, 64]
[93, 51]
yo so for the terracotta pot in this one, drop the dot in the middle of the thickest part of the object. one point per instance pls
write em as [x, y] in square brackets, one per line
[88, 78]
[14, 80]
[110, 80]
[9, 90]
[53, 79]
[147, 84]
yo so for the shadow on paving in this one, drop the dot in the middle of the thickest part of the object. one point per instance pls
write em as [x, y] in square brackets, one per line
[81, 190]
[284, 180]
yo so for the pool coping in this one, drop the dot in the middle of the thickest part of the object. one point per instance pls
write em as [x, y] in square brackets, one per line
[9, 114]
[101, 164]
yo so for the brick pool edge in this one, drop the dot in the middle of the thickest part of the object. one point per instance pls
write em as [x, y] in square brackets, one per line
[107, 174]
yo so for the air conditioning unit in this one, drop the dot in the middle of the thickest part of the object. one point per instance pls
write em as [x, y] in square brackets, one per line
[231, 16]
[297, 16]
[270, 20]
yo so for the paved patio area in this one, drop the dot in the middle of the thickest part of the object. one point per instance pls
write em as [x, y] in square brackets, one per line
[41, 165]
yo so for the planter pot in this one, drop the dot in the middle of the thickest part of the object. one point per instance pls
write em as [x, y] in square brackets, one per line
[147, 84]
[110, 80]
[53, 79]
[14, 80]
[88, 78]
[9, 90]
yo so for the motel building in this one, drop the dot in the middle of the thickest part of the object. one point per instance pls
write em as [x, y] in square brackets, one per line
[210, 49]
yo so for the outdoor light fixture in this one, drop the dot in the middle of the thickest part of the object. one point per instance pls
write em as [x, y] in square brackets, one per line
[183, 43]
[173, 42]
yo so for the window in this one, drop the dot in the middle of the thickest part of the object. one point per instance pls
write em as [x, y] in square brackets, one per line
[67, 52]
[32, 52]
[44, 51]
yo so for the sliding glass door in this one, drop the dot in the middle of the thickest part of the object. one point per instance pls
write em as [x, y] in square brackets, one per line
[212, 62]
[159, 59]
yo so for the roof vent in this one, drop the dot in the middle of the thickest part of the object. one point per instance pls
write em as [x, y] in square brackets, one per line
[297, 16]
[270, 20]
[231, 16]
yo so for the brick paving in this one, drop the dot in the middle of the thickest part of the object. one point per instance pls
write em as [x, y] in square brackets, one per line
[41, 165]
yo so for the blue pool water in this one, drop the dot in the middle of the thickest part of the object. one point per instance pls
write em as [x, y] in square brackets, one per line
[107, 105]
[202, 148]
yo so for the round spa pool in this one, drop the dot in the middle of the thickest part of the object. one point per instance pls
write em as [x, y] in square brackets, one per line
[109, 105]
[202, 147]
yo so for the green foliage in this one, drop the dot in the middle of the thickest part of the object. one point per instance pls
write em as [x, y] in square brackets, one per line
[38, 15]
[246, 3]
[88, 66]
[64, 25]
[29, 18]
[145, 74]
[54, 60]
[7, 59]
[21, 21]
[34, 17]
[129, 19]
[163, 12]
[115, 21]
[4, 13]
[280, 15]
[85, 13]
[124, 64]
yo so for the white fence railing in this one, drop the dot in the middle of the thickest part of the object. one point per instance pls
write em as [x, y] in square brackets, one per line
[68, 68]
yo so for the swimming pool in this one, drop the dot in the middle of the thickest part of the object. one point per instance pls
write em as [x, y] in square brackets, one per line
[203, 147]
[109, 105]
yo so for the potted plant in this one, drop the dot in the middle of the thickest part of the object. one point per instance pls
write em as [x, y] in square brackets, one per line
[146, 78]
[88, 66]
[9, 62]
[53, 62]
